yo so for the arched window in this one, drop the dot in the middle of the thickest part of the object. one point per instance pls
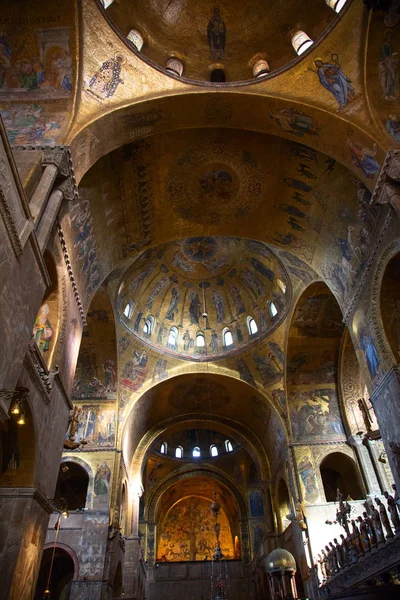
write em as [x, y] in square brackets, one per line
[175, 66]
[281, 285]
[301, 42]
[72, 485]
[260, 68]
[172, 338]
[136, 39]
[338, 471]
[148, 325]
[217, 76]
[227, 337]
[213, 450]
[337, 5]
[228, 446]
[178, 452]
[252, 325]
[164, 448]
[196, 452]
[200, 340]
[128, 310]
[272, 309]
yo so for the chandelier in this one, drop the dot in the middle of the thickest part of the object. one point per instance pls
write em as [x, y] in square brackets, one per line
[217, 585]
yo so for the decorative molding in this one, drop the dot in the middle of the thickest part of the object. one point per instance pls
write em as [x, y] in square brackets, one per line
[371, 261]
[36, 367]
[310, 443]
[9, 224]
[70, 272]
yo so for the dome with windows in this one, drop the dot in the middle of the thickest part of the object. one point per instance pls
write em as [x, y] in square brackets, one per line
[195, 445]
[228, 42]
[204, 298]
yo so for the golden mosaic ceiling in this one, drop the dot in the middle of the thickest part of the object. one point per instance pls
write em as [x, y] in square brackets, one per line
[183, 297]
[231, 34]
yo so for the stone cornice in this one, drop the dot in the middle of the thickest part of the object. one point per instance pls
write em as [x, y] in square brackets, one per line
[26, 493]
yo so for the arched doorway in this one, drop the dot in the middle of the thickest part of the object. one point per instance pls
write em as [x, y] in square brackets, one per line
[283, 505]
[118, 587]
[62, 573]
[339, 471]
[72, 485]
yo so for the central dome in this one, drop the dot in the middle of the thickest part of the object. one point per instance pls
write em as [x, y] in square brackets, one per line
[204, 297]
[231, 35]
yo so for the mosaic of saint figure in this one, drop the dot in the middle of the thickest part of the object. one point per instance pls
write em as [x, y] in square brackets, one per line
[388, 67]
[174, 302]
[216, 34]
[42, 330]
[363, 158]
[371, 355]
[333, 79]
[308, 478]
[219, 306]
[102, 480]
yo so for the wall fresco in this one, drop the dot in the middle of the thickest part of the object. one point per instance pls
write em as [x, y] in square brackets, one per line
[313, 355]
[308, 476]
[96, 371]
[37, 72]
[96, 425]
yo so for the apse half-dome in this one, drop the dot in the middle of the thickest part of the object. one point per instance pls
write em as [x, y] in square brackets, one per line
[203, 298]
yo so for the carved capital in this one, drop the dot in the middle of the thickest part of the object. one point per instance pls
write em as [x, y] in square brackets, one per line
[68, 188]
[57, 156]
[393, 170]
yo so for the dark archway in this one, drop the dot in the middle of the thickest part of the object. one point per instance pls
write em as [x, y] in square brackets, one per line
[390, 304]
[118, 586]
[62, 573]
[72, 485]
[339, 471]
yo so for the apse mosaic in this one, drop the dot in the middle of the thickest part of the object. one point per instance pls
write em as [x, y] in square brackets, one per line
[187, 532]
[206, 297]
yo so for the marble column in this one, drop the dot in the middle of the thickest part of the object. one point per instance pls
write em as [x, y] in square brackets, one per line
[132, 545]
[39, 198]
[367, 467]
